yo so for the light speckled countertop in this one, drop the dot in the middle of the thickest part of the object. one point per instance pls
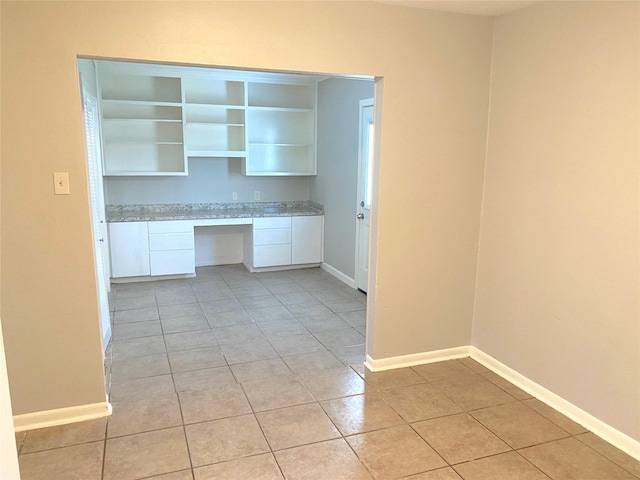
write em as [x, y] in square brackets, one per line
[195, 211]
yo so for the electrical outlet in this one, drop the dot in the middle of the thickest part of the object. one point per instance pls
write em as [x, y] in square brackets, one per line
[234, 196]
[61, 183]
[256, 195]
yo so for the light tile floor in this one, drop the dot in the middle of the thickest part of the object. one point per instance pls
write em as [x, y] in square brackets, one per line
[232, 375]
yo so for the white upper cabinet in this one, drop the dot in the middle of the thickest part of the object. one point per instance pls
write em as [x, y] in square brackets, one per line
[142, 124]
[156, 117]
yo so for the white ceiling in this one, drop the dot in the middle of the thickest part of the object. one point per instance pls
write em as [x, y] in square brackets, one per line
[472, 7]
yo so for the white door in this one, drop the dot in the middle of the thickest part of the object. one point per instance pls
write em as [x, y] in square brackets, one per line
[96, 197]
[365, 157]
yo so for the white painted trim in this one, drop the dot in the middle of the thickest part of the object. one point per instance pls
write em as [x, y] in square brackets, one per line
[338, 274]
[597, 426]
[61, 416]
[410, 360]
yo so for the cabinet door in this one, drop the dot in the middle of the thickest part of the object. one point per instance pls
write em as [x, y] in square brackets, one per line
[306, 239]
[129, 246]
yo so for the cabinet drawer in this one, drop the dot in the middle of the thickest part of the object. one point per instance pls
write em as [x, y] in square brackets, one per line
[272, 236]
[172, 262]
[271, 222]
[171, 226]
[171, 241]
[271, 255]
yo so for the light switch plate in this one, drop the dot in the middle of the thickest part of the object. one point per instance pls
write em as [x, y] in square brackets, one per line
[61, 183]
[256, 195]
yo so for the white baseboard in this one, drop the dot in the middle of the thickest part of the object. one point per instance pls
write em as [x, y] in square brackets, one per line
[61, 416]
[415, 359]
[597, 426]
[338, 274]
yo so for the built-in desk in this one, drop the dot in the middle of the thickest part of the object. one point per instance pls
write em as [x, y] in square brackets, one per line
[159, 240]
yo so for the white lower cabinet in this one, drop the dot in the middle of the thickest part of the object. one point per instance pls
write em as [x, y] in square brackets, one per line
[171, 247]
[306, 239]
[271, 242]
[129, 248]
[282, 241]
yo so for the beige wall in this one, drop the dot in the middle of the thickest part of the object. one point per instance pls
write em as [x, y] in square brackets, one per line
[557, 294]
[436, 77]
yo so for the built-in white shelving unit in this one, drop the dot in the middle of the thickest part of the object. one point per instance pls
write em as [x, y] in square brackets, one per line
[142, 125]
[154, 121]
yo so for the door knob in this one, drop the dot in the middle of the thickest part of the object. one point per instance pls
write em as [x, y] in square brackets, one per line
[360, 216]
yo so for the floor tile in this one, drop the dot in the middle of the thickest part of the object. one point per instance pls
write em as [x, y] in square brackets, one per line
[269, 314]
[250, 291]
[163, 299]
[64, 435]
[182, 475]
[556, 417]
[285, 287]
[308, 363]
[297, 298]
[220, 402]
[189, 340]
[124, 331]
[355, 319]
[345, 337]
[473, 392]
[419, 402]
[154, 413]
[330, 460]
[395, 452]
[132, 303]
[139, 367]
[146, 454]
[473, 365]
[136, 315]
[275, 393]
[128, 290]
[432, 372]
[386, 380]
[196, 359]
[138, 347]
[247, 372]
[320, 323]
[339, 306]
[627, 462]
[570, 459]
[446, 473]
[350, 355]
[261, 301]
[361, 413]
[140, 388]
[259, 349]
[228, 319]
[294, 426]
[296, 344]
[203, 379]
[182, 310]
[225, 439]
[518, 425]
[282, 328]
[258, 467]
[20, 440]
[218, 306]
[309, 310]
[334, 383]
[460, 438]
[215, 295]
[237, 334]
[78, 462]
[505, 385]
[184, 324]
[507, 466]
